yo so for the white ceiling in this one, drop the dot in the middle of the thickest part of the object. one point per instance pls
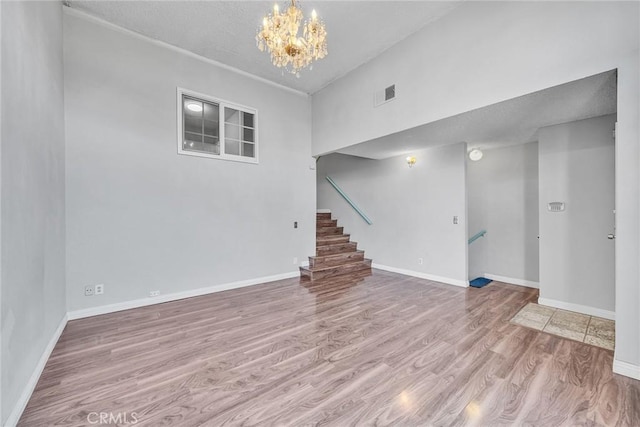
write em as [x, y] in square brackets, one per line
[511, 122]
[225, 30]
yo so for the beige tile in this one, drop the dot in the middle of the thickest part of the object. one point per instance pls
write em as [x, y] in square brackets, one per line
[601, 327]
[533, 316]
[600, 342]
[601, 333]
[568, 325]
[540, 309]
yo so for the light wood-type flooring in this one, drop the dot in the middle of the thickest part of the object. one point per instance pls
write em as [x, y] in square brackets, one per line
[385, 349]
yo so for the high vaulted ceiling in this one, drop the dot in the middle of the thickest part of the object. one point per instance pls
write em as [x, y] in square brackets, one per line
[225, 30]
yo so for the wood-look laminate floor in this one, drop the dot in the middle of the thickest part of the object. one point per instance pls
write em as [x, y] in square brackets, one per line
[381, 350]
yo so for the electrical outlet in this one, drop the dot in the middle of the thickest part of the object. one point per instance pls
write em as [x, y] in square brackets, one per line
[99, 289]
[88, 291]
[420, 261]
[154, 293]
[295, 260]
[295, 224]
[455, 219]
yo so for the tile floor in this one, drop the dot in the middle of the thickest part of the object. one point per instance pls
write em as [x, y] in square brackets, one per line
[567, 324]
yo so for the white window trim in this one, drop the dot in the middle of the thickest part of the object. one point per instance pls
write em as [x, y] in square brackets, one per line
[222, 103]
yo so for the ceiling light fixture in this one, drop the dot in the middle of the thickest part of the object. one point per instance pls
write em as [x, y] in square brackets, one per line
[279, 36]
[195, 107]
[411, 160]
[475, 154]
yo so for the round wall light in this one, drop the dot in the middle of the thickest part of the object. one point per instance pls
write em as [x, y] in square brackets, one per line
[475, 154]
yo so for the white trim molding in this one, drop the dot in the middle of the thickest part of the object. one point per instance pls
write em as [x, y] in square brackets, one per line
[627, 369]
[512, 281]
[143, 302]
[323, 210]
[584, 309]
[16, 413]
[446, 280]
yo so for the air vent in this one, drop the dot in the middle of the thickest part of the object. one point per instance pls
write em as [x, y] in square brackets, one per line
[384, 95]
[556, 206]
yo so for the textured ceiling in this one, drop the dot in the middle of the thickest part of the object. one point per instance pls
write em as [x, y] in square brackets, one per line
[225, 30]
[511, 122]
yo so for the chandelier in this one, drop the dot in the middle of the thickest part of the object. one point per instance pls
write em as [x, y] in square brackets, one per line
[279, 35]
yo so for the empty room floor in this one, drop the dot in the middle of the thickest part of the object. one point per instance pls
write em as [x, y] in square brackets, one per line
[386, 349]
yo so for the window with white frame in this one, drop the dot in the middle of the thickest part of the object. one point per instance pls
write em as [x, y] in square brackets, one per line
[209, 127]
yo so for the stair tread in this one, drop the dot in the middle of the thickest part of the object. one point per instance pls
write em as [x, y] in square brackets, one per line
[333, 267]
[338, 255]
[332, 239]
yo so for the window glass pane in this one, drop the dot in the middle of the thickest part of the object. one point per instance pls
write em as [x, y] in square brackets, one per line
[231, 115]
[247, 119]
[231, 131]
[232, 147]
[247, 134]
[192, 146]
[191, 107]
[248, 150]
[202, 127]
[211, 145]
[192, 124]
[211, 128]
[192, 137]
[211, 111]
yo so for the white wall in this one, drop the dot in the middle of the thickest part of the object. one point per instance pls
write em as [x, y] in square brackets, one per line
[32, 192]
[140, 217]
[503, 199]
[576, 259]
[627, 244]
[479, 54]
[487, 52]
[411, 209]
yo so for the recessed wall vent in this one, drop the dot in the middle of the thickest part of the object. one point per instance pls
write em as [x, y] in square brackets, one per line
[384, 95]
[556, 206]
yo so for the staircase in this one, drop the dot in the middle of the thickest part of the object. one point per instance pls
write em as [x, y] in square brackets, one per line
[336, 255]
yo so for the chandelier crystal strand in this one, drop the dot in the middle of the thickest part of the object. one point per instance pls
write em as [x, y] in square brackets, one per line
[279, 36]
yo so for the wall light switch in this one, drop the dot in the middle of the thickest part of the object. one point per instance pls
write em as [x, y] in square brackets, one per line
[455, 219]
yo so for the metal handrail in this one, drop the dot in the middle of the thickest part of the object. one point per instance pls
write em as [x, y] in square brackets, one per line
[353, 205]
[477, 236]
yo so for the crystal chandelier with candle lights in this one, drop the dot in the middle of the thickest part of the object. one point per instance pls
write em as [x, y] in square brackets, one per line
[279, 35]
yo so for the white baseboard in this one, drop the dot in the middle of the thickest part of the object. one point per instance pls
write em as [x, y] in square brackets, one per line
[143, 302]
[512, 281]
[15, 415]
[584, 309]
[448, 281]
[323, 210]
[627, 369]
